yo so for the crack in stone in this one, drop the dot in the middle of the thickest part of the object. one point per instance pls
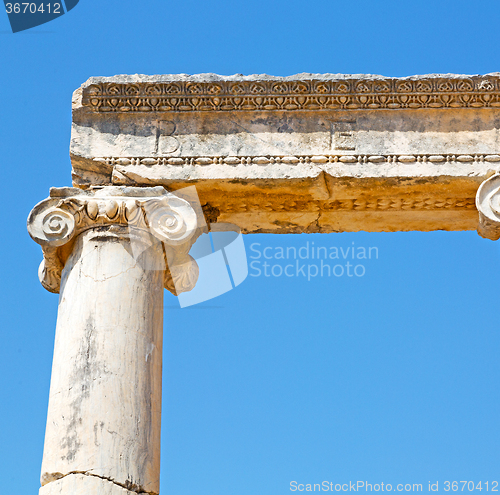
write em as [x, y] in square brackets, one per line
[128, 486]
[326, 185]
[314, 227]
[104, 279]
[330, 197]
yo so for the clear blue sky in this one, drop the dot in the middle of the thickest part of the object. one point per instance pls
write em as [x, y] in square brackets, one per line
[392, 377]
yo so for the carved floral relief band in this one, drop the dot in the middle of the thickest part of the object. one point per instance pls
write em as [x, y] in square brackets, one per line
[68, 212]
[301, 93]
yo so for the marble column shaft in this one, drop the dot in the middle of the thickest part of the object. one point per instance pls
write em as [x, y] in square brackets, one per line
[104, 252]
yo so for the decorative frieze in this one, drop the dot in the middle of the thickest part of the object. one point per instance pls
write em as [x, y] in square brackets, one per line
[388, 204]
[58, 220]
[297, 160]
[300, 93]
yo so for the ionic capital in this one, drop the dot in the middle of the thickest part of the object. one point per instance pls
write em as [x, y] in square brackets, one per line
[56, 222]
[488, 205]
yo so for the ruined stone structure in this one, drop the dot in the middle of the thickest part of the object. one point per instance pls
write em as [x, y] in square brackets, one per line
[307, 153]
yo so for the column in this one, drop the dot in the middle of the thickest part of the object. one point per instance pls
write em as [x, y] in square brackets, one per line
[109, 252]
[488, 205]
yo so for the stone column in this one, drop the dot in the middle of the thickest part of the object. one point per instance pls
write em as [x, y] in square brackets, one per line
[104, 252]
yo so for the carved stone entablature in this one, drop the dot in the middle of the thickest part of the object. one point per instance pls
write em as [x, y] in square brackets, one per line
[304, 153]
[488, 205]
[302, 92]
[56, 222]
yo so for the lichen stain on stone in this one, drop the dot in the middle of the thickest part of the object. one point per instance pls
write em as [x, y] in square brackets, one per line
[98, 425]
[86, 369]
[211, 213]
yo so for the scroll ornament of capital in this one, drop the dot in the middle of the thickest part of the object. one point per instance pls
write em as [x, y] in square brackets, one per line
[56, 222]
[488, 205]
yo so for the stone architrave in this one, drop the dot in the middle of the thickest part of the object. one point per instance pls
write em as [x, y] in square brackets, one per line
[305, 153]
[109, 252]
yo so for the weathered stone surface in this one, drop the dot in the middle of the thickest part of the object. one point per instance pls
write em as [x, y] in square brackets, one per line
[105, 392]
[79, 484]
[305, 153]
[488, 205]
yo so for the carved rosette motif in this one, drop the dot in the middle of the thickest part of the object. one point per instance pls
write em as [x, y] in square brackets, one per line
[488, 205]
[57, 221]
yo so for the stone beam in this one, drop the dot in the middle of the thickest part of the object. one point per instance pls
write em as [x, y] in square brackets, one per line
[306, 153]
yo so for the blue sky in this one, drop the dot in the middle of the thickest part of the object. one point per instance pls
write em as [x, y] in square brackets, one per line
[391, 377]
